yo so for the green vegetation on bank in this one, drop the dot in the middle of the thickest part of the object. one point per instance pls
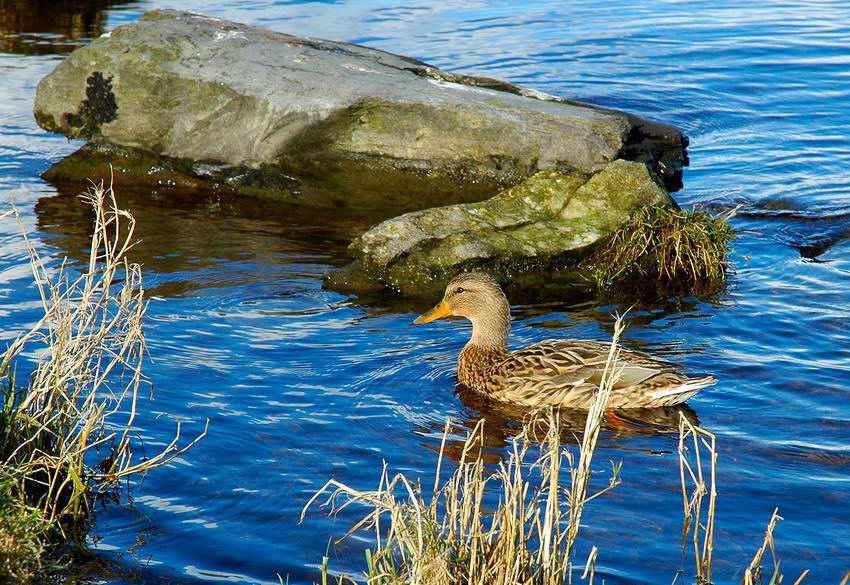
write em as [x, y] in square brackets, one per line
[65, 427]
[21, 534]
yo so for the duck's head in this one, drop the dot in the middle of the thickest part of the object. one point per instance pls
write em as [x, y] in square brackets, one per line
[479, 298]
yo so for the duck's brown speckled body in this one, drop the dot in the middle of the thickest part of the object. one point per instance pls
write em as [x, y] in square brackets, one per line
[558, 372]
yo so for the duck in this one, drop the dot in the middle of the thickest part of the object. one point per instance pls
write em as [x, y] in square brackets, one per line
[563, 373]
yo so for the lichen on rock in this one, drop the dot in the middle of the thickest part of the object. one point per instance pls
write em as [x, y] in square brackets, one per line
[97, 109]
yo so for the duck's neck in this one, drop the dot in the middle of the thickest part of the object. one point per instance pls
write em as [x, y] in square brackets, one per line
[488, 345]
[491, 333]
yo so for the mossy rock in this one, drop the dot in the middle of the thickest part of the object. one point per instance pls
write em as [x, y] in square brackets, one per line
[551, 221]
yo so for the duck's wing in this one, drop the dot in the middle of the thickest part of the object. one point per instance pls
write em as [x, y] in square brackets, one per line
[580, 360]
[568, 372]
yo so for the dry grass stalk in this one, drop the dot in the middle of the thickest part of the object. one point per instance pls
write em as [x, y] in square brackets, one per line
[590, 566]
[580, 473]
[697, 483]
[452, 537]
[67, 433]
[753, 573]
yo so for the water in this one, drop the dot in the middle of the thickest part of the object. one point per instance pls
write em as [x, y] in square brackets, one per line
[302, 384]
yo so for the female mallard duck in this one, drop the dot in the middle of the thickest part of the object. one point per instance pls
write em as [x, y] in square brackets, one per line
[558, 372]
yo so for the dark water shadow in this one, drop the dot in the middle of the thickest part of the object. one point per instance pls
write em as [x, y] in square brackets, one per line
[90, 567]
[581, 305]
[50, 27]
[76, 565]
[812, 235]
[204, 236]
[503, 422]
[812, 232]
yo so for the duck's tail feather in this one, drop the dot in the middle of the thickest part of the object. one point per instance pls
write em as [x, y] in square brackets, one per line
[679, 393]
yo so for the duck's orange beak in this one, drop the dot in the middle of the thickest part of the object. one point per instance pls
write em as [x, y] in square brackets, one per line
[438, 312]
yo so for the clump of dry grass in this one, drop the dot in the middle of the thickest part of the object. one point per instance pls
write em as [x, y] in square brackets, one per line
[65, 433]
[697, 472]
[665, 249]
[452, 535]
[698, 484]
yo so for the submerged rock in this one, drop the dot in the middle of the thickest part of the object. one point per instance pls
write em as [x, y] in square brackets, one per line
[271, 114]
[547, 222]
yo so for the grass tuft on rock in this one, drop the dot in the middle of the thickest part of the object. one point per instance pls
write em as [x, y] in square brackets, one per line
[665, 250]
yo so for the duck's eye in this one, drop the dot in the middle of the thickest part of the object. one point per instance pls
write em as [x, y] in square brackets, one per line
[458, 290]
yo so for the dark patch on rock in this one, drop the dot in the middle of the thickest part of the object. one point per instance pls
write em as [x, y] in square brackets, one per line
[662, 148]
[128, 168]
[99, 107]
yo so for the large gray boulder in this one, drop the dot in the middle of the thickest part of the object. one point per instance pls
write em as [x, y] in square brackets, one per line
[546, 223]
[262, 112]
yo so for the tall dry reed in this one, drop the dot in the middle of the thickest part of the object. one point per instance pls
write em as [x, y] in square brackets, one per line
[697, 479]
[455, 534]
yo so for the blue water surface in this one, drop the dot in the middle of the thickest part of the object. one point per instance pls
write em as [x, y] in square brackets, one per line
[301, 384]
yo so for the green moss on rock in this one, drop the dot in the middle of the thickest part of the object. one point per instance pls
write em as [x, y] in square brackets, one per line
[551, 222]
[612, 195]
[155, 15]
